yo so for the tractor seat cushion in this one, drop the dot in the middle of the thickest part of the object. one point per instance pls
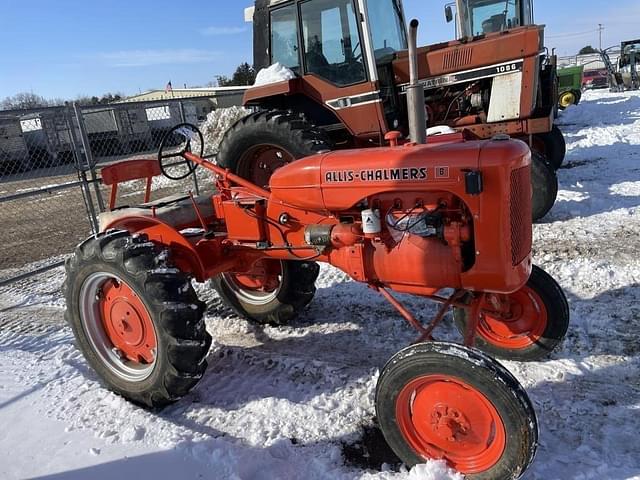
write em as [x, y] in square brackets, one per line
[175, 210]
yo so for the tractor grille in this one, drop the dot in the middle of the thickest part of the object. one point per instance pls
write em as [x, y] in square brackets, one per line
[520, 210]
[457, 58]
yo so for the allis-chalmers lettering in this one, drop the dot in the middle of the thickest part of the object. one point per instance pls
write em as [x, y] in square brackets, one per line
[376, 175]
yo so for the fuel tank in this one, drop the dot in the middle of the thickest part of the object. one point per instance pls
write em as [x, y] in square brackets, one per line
[339, 180]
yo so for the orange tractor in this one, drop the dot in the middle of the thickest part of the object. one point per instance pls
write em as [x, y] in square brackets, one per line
[447, 220]
[351, 73]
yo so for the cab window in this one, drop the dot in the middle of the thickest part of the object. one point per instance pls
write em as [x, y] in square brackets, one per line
[332, 47]
[284, 38]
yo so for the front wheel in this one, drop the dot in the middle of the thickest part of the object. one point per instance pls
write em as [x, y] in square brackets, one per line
[525, 325]
[136, 319]
[444, 401]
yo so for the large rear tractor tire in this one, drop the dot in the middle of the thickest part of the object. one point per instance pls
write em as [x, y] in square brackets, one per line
[274, 292]
[260, 143]
[444, 401]
[136, 319]
[552, 146]
[544, 183]
[536, 322]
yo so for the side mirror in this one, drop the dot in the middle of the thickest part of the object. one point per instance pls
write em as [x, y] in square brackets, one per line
[448, 13]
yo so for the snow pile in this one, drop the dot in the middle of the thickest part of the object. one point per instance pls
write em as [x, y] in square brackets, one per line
[285, 402]
[217, 123]
[273, 74]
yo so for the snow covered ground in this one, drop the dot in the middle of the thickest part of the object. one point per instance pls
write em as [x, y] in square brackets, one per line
[297, 402]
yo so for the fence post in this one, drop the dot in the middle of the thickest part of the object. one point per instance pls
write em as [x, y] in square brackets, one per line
[81, 167]
[183, 119]
[89, 155]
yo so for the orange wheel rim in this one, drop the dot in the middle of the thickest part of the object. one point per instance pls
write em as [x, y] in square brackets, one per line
[442, 417]
[264, 276]
[127, 322]
[519, 325]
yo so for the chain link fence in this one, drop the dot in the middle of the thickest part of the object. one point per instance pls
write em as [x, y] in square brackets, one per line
[50, 161]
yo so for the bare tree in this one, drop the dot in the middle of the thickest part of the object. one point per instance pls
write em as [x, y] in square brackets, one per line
[24, 101]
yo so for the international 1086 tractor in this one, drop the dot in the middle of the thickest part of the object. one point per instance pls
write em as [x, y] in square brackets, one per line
[351, 71]
[448, 221]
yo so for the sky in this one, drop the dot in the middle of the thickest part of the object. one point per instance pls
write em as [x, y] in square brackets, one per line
[68, 48]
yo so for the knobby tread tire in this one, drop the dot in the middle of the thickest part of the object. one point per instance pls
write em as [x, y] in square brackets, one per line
[176, 312]
[296, 292]
[287, 130]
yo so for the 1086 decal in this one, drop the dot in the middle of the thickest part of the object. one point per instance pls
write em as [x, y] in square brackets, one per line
[376, 175]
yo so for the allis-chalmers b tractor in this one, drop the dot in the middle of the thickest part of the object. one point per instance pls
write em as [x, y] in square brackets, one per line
[352, 68]
[447, 220]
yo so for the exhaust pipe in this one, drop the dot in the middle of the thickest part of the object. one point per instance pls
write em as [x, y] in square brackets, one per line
[415, 91]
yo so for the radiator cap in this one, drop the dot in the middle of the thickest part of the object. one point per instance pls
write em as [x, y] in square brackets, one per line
[501, 137]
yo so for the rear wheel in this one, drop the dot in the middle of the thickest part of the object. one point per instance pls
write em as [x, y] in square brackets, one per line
[273, 292]
[260, 143]
[136, 319]
[544, 183]
[444, 401]
[552, 146]
[525, 325]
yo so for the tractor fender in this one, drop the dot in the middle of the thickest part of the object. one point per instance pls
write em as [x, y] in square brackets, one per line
[184, 255]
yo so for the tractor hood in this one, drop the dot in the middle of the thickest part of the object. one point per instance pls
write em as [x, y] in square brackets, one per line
[339, 180]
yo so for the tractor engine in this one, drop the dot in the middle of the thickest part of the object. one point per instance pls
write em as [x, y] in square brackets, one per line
[414, 218]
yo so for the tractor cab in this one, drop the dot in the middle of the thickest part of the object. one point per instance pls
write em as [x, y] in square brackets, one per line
[481, 17]
[341, 41]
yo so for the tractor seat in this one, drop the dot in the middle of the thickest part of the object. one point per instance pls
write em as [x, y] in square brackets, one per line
[175, 210]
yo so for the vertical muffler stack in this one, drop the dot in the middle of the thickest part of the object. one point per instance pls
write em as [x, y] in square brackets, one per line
[415, 91]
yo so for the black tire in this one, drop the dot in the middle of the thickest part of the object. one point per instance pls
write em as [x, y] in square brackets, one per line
[297, 288]
[554, 145]
[578, 94]
[481, 374]
[290, 132]
[544, 183]
[182, 342]
[557, 314]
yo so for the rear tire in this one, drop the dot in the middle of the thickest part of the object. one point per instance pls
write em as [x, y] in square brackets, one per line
[534, 339]
[553, 146]
[260, 143]
[441, 400]
[544, 183]
[165, 313]
[294, 292]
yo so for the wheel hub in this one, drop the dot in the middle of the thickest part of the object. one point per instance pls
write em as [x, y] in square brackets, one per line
[127, 322]
[442, 417]
[517, 320]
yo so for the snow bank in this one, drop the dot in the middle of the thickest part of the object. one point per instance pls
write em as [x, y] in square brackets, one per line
[273, 74]
[217, 123]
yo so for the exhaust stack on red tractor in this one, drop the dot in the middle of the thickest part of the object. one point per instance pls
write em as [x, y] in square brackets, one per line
[448, 221]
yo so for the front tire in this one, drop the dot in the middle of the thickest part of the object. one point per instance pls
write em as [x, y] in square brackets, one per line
[544, 183]
[441, 400]
[537, 322]
[136, 319]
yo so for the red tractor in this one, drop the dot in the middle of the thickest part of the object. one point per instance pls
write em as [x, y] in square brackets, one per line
[448, 221]
[351, 71]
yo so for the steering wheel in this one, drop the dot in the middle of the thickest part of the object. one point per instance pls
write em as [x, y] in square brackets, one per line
[182, 136]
